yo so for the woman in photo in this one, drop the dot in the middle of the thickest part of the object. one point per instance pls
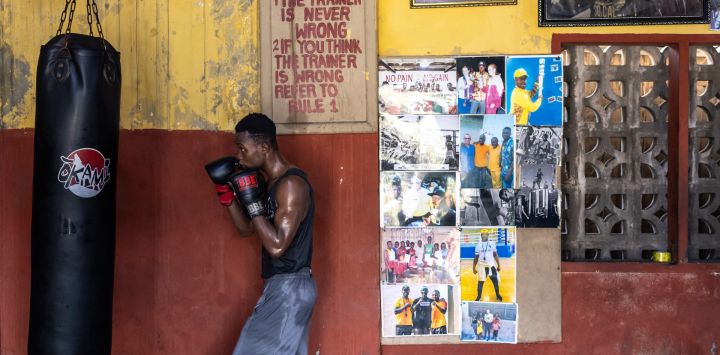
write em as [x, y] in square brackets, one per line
[399, 266]
[496, 327]
[494, 89]
[412, 257]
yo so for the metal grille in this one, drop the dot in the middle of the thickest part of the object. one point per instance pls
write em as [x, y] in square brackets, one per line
[704, 160]
[615, 160]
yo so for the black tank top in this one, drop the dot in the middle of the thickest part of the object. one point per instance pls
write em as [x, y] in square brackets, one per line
[299, 254]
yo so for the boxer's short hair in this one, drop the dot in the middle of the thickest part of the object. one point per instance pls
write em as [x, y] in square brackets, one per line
[260, 128]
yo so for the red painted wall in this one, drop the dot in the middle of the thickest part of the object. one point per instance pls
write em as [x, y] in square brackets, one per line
[184, 281]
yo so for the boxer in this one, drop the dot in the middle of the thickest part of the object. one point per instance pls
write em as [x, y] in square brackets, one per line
[280, 213]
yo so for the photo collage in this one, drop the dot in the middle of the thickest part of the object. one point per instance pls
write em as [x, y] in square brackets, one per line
[469, 152]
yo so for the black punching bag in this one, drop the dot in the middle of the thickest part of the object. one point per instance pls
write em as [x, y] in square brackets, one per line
[73, 207]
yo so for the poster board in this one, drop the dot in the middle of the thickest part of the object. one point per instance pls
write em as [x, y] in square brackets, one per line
[318, 65]
[470, 207]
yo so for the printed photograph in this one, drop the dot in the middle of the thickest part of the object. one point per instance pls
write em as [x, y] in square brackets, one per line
[535, 90]
[414, 142]
[536, 176]
[419, 310]
[481, 85]
[421, 86]
[455, 3]
[420, 255]
[537, 208]
[487, 151]
[621, 12]
[538, 145]
[487, 207]
[489, 322]
[488, 264]
[417, 199]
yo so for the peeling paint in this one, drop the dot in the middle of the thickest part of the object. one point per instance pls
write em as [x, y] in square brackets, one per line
[15, 84]
[186, 118]
[144, 115]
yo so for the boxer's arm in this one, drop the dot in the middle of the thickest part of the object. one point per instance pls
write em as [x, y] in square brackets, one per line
[293, 198]
[239, 220]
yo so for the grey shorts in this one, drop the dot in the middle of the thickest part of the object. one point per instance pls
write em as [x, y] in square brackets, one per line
[280, 322]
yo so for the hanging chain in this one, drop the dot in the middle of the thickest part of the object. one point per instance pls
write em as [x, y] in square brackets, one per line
[72, 14]
[97, 20]
[92, 10]
[89, 17]
[62, 17]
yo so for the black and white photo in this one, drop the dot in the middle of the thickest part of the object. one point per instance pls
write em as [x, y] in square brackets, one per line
[537, 176]
[487, 207]
[537, 208]
[413, 142]
[538, 145]
[621, 12]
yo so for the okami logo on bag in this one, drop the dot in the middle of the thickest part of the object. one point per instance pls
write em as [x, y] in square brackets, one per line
[84, 172]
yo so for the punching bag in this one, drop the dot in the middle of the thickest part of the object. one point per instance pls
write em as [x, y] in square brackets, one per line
[73, 202]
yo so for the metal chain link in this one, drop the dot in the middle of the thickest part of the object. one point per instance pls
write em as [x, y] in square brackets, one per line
[89, 17]
[72, 14]
[63, 17]
[97, 19]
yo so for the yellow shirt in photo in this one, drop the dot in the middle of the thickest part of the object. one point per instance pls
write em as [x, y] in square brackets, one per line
[521, 105]
[404, 317]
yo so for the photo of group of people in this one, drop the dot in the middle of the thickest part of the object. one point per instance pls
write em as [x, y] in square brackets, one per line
[414, 142]
[480, 85]
[419, 310]
[538, 145]
[418, 199]
[489, 322]
[414, 255]
[487, 151]
[469, 151]
[424, 86]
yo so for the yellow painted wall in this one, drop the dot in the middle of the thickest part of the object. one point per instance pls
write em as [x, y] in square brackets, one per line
[185, 64]
[193, 64]
[481, 30]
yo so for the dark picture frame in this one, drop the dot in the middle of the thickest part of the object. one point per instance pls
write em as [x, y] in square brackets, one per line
[424, 4]
[553, 13]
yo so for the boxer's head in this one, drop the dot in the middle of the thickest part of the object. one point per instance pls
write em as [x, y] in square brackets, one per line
[406, 291]
[255, 138]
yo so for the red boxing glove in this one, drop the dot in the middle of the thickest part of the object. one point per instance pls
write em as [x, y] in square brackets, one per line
[225, 195]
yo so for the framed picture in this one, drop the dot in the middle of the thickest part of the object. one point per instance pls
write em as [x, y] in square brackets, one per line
[419, 4]
[621, 12]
